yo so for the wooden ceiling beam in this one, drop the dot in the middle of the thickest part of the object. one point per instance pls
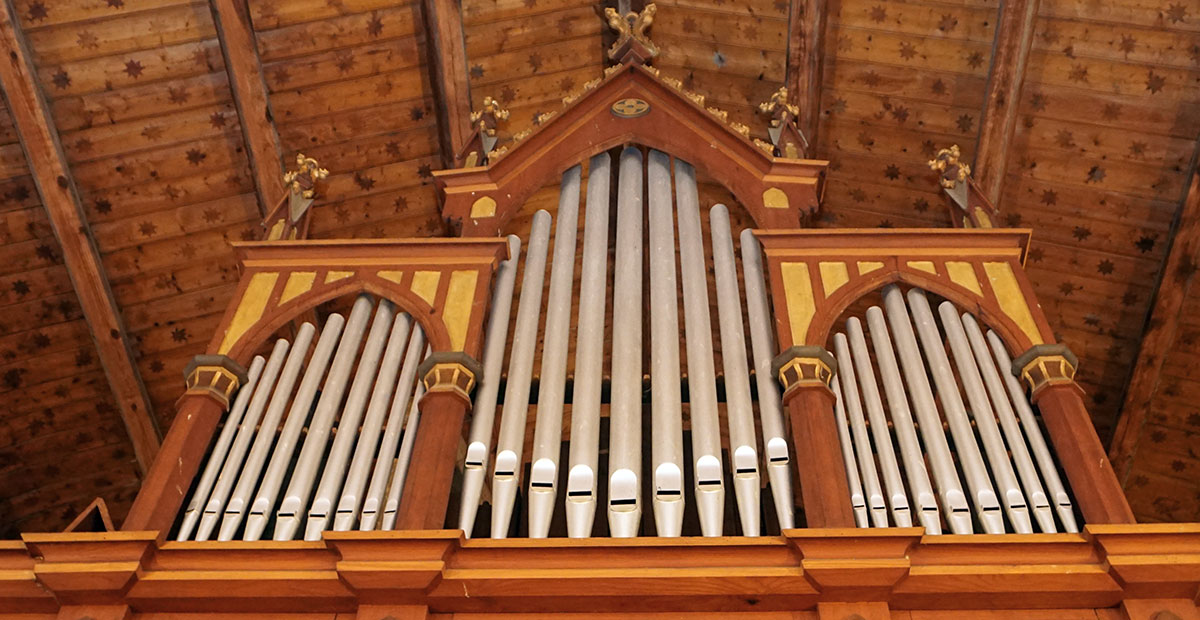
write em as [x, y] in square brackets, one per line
[447, 53]
[805, 59]
[1014, 38]
[1175, 280]
[52, 177]
[238, 45]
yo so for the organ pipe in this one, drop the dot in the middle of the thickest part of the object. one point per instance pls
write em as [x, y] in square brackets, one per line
[858, 432]
[857, 502]
[391, 507]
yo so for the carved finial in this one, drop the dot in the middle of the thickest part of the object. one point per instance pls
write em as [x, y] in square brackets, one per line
[953, 171]
[302, 180]
[489, 116]
[777, 107]
[785, 135]
[287, 220]
[632, 43]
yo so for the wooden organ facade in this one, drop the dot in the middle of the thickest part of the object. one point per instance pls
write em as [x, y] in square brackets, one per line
[879, 423]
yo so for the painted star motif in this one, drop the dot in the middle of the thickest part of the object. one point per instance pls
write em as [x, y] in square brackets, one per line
[965, 122]
[907, 50]
[878, 13]
[87, 40]
[1096, 174]
[564, 25]
[975, 60]
[1049, 197]
[177, 95]
[1177, 13]
[417, 113]
[37, 11]
[1137, 148]
[1065, 139]
[83, 145]
[217, 120]
[892, 172]
[103, 207]
[344, 61]
[1111, 111]
[147, 228]
[393, 149]
[375, 26]
[363, 182]
[61, 80]
[1081, 233]
[133, 68]
[947, 23]
[1127, 44]
[535, 61]
[476, 71]
[1154, 82]
[195, 156]
[1079, 73]
[180, 334]
[938, 87]
[152, 132]
[1105, 267]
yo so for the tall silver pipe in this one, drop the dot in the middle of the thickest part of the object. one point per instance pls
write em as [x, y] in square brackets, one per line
[666, 410]
[888, 467]
[583, 455]
[858, 431]
[295, 499]
[245, 474]
[996, 452]
[857, 502]
[708, 473]
[770, 408]
[1040, 504]
[216, 459]
[372, 428]
[986, 504]
[906, 432]
[285, 446]
[334, 472]
[625, 410]
[954, 500]
[510, 446]
[739, 411]
[391, 507]
[373, 501]
[1037, 442]
[483, 411]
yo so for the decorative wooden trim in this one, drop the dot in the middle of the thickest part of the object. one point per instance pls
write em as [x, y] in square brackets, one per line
[805, 60]
[650, 111]
[1014, 37]
[447, 53]
[56, 187]
[1178, 274]
[238, 46]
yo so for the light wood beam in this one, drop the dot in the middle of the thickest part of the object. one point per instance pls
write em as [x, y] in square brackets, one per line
[1178, 274]
[56, 187]
[448, 67]
[806, 41]
[236, 35]
[1014, 37]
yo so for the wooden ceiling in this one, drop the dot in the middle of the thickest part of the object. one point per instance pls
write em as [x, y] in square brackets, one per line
[165, 124]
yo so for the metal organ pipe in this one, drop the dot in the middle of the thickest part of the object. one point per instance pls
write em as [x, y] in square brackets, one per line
[1012, 429]
[483, 411]
[892, 481]
[520, 368]
[702, 382]
[392, 506]
[666, 411]
[191, 515]
[1041, 451]
[954, 502]
[986, 503]
[739, 411]
[281, 456]
[858, 431]
[583, 455]
[625, 410]
[906, 432]
[372, 426]
[334, 472]
[857, 502]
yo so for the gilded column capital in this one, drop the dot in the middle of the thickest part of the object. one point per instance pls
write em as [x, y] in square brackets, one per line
[216, 376]
[1046, 364]
[454, 372]
[804, 365]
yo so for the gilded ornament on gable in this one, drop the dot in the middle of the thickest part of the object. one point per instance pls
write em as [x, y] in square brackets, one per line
[631, 32]
[489, 116]
[777, 106]
[953, 171]
[740, 128]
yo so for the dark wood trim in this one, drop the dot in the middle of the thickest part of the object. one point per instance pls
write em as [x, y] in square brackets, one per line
[805, 59]
[52, 176]
[1014, 37]
[447, 53]
[240, 50]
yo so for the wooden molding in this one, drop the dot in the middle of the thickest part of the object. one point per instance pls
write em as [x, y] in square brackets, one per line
[52, 176]
[238, 46]
[447, 53]
[1176, 279]
[806, 37]
[1014, 37]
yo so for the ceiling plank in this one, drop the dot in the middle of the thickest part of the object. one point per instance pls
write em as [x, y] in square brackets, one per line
[48, 166]
[448, 61]
[238, 45]
[806, 41]
[1014, 37]
[1177, 276]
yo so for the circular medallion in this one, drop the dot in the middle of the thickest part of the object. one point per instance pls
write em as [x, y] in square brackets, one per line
[630, 108]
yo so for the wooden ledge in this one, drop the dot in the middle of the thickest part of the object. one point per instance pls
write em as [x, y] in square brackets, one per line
[897, 241]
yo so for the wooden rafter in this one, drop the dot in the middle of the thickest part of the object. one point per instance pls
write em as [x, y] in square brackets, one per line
[1176, 279]
[806, 28]
[51, 175]
[232, 18]
[1014, 37]
[448, 63]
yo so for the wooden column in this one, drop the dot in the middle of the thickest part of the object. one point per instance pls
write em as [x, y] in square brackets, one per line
[448, 61]
[1014, 37]
[211, 381]
[238, 46]
[40, 141]
[1049, 372]
[806, 27]
[449, 379]
[806, 373]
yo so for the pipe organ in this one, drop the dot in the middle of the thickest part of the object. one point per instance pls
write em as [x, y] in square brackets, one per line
[640, 406]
